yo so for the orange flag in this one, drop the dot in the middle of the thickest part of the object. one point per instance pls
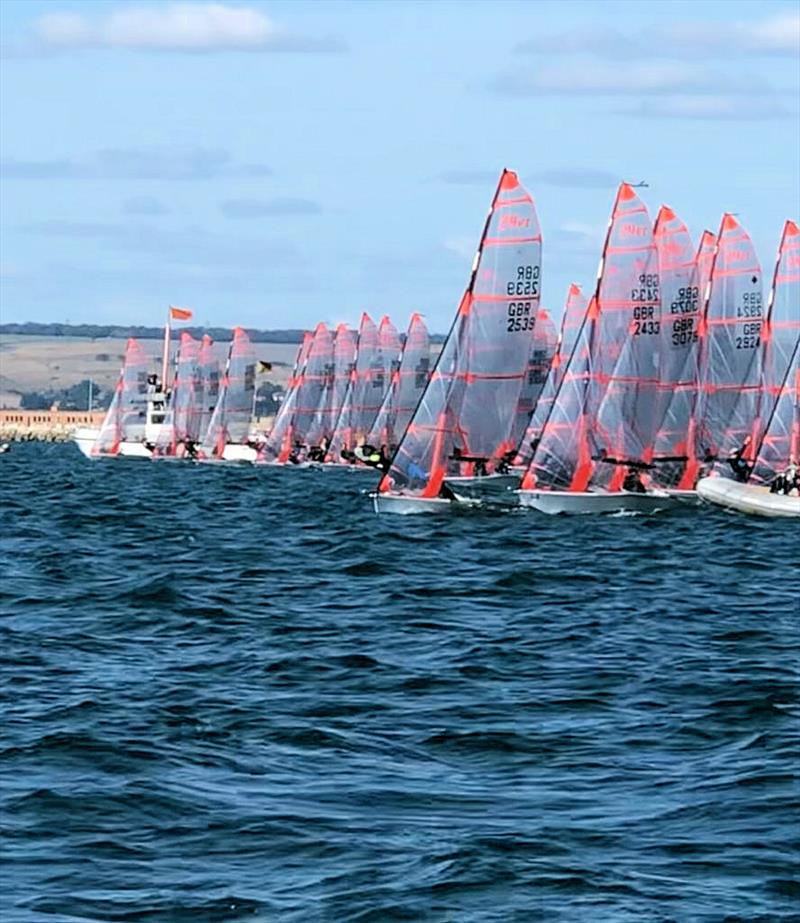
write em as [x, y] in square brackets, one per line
[179, 313]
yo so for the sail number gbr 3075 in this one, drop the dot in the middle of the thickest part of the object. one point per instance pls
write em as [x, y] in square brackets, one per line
[522, 314]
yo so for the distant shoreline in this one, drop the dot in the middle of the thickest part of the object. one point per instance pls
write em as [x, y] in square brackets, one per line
[123, 331]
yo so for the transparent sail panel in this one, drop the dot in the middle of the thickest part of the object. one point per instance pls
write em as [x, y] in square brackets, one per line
[230, 422]
[562, 456]
[780, 445]
[127, 414]
[545, 343]
[684, 278]
[278, 443]
[468, 411]
[181, 419]
[408, 381]
[209, 386]
[571, 322]
[730, 371]
[359, 407]
[624, 388]
[783, 318]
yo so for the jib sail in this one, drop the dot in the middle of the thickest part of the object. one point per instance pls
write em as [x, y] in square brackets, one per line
[468, 410]
[127, 414]
[232, 417]
[409, 377]
[545, 343]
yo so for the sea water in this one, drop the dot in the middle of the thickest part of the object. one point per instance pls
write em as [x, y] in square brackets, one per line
[231, 693]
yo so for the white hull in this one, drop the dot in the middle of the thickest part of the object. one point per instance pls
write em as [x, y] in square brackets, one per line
[239, 453]
[85, 438]
[688, 497]
[492, 488]
[408, 505]
[577, 502]
[747, 498]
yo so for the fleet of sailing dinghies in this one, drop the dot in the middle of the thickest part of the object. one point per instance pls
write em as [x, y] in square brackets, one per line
[674, 380]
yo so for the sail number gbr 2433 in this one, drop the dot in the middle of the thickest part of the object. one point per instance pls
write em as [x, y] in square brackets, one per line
[522, 314]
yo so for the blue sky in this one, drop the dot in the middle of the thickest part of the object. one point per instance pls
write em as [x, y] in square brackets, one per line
[274, 164]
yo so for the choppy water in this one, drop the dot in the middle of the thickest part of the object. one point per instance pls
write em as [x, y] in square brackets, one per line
[236, 694]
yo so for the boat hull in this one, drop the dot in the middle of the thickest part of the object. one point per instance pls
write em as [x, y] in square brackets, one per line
[243, 454]
[687, 497]
[492, 489]
[554, 502]
[403, 505]
[748, 498]
[85, 438]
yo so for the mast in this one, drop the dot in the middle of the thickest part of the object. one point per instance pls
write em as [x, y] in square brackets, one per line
[165, 354]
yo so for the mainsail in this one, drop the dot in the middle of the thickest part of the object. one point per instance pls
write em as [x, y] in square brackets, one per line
[408, 381]
[345, 343]
[623, 392]
[181, 420]
[780, 444]
[562, 458]
[574, 313]
[684, 277]
[232, 417]
[278, 444]
[127, 414]
[545, 344]
[783, 319]
[208, 368]
[730, 365]
[468, 409]
[360, 405]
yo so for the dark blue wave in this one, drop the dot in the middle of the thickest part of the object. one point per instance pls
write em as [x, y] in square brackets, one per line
[235, 694]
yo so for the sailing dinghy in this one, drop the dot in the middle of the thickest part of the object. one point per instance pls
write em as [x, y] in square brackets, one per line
[130, 427]
[178, 435]
[409, 378]
[458, 442]
[683, 275]
[599, 436]
[779, 400]
[228, 435]
[286, 442]
[777, 456]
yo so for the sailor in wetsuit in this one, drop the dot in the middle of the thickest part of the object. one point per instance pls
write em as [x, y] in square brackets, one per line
[786, 482]
[633, 482]
[740, 467]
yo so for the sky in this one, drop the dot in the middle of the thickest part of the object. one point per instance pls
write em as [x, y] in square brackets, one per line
[276, 164]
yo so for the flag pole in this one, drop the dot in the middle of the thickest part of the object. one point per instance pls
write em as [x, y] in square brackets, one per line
[165, 357]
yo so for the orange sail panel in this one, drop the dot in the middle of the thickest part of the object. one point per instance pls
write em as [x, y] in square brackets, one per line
[780, 444]
[468, 410]
[127, 414]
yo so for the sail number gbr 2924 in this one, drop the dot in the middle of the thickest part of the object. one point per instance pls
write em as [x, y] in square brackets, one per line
[522, 314]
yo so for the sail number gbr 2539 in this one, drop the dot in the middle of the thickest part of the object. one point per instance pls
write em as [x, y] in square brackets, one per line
[522, 314]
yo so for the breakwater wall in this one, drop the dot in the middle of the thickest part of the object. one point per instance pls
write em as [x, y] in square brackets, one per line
[45, 425]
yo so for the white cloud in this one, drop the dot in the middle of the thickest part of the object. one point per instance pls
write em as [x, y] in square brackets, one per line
[627, 78]
[776, 35]
[711, 107]
[188, 27]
